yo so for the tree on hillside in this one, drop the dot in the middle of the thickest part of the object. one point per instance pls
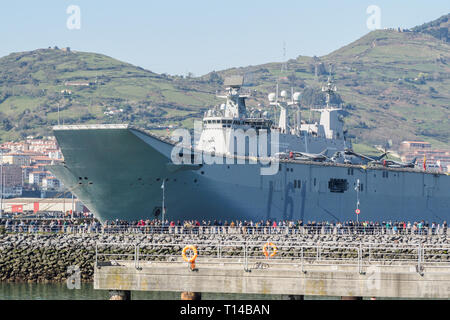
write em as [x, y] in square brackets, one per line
[215, 78]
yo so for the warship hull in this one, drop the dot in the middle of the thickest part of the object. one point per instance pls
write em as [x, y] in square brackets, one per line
[117, 172]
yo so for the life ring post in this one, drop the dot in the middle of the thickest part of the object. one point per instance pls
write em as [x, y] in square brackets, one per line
[190, 260]
[266, 250]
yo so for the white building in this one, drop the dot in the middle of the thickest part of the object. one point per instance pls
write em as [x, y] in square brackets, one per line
[50, 183]
[36, 177]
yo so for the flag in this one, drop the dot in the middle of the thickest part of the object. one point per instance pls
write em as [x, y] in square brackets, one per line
[424, 162]
[36, 207]
[17, 208]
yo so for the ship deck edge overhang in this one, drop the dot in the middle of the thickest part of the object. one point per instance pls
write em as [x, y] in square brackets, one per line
[169, 141]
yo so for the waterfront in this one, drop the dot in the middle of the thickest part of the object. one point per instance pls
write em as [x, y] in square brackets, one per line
[59, 291]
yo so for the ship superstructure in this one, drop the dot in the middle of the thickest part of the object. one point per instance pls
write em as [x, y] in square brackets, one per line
[221, 122]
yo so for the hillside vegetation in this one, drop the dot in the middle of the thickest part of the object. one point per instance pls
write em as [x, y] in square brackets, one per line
[392, 85]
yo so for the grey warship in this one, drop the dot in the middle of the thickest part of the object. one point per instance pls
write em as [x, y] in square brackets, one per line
[118, 171]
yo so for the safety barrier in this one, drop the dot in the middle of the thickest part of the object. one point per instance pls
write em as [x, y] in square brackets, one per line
[225, 230]
[250, 254]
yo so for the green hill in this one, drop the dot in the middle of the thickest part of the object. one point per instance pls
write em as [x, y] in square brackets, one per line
[438, 28]
[33, 85]
[393, 85]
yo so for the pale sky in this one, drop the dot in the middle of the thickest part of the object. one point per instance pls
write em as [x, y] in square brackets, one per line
[177, 37]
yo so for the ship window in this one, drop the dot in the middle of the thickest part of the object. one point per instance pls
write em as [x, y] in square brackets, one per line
[385, 174]
[295, 184]
[314, 181]
[350, 171]
[338, 185]
[361, 187]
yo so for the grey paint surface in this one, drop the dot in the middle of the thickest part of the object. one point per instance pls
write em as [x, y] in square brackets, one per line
[118, 173]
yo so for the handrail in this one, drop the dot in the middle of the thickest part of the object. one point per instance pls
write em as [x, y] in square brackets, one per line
[224, 230]
[247, 253]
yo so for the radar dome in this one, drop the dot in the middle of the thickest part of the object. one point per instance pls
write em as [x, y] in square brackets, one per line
[283, 94]
[271, 97]
[222, 106]
[296, 96]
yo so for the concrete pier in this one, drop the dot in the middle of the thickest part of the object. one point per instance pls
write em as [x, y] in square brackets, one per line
[222, 277]
[350, 271]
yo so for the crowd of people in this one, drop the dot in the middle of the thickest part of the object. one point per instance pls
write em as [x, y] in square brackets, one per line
[91, 225]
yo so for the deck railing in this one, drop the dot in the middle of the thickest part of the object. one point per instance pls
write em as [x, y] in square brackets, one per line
[224, 230]
[250, 254]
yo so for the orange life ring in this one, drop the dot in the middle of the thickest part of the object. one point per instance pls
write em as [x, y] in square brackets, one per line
[191, 259]
[266, 252]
